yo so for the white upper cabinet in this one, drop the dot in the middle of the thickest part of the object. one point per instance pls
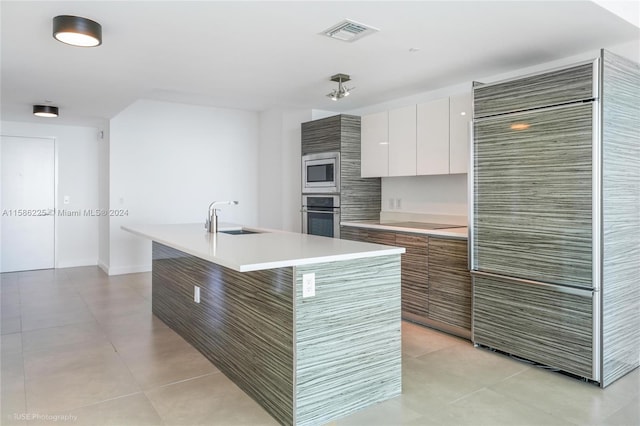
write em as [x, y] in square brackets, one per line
[375, 145]
[459, 132]
[402, 141]
[426, 139]
[433, 138]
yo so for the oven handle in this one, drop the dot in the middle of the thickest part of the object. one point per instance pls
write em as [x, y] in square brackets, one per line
[320, 211]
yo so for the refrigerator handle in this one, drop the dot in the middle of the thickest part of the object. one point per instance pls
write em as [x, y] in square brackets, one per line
[560, 288]
[470, 197]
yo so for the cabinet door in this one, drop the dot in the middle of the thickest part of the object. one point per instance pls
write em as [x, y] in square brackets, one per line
[415, 280]
[352, 233]
[375, 145]
[381, 237]
[402, 141]
[449, 282]
[433, 138]
[459, 132]
[322, 135]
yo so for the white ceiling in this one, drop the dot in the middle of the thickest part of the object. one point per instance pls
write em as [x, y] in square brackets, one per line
[260, 55]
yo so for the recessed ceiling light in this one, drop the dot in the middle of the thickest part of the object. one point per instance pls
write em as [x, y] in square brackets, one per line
[77, 31]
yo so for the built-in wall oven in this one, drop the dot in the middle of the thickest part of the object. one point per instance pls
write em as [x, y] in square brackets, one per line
[321, 215]
[321, 172]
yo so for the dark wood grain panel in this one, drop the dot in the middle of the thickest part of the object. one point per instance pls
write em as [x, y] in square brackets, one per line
[415, 279]
[432, 268]
[535, 322]
[352, 233]
[321, 135]
[245, 329]
[381, 237]
[536, 91]
[621, 216]
[449, 282]
[359, 197]
[348, 338]
[533, 196]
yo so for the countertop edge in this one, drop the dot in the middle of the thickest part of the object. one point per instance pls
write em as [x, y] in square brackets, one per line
[258, 266]
[446, 232]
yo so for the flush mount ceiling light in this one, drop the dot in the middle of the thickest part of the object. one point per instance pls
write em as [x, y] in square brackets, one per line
[342, 90]
[45, 111]
[77, 31]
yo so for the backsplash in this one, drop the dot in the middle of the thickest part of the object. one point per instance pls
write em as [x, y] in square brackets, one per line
[440, 195]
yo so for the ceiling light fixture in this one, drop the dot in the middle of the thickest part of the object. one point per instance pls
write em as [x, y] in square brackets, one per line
[45, 111]
[342, 90]
[77, 31]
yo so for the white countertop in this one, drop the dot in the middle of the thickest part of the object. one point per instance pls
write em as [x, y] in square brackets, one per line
[253, 252]
[460, 233]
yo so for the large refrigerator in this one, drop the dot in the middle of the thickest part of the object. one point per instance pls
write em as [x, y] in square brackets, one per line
[555, 217]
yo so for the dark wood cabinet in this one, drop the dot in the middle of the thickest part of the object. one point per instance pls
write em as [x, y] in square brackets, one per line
[449, 282]
[415, 279]
[436, 284]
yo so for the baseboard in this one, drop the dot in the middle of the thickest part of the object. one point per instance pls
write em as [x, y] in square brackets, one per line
[77, 263]
[121, 270]
[103, 266]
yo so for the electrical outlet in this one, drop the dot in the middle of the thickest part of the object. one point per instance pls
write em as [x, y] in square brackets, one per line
[398, 203]
[196, 294]
[308, 285]
[391, 203]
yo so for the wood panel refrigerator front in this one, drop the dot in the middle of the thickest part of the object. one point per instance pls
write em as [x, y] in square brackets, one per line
[550, 191]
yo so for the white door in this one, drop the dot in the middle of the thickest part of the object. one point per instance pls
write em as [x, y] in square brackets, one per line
[27, 203]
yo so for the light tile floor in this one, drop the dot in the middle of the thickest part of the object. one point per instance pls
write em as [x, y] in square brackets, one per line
[82, 348]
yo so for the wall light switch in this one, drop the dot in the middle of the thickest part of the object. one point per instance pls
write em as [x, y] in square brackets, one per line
[398, 203]
[66, 199]
[308, 285]
[391, 203]
[196, 294]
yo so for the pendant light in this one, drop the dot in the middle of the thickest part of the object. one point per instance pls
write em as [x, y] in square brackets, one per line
[45, 111]
[77, 31]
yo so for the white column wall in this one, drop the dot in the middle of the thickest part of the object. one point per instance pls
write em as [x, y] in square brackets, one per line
[167, 162]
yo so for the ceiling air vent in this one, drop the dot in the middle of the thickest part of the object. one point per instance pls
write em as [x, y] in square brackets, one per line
[349, 30]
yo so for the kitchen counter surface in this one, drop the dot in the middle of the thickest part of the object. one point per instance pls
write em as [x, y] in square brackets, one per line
[267, 249]
[410, 227]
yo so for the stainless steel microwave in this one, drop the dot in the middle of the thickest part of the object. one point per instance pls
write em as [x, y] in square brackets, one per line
[321, 172]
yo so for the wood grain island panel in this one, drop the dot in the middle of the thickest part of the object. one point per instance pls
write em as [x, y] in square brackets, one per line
[305, 360]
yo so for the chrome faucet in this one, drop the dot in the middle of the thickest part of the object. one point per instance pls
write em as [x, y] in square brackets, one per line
[211, 225]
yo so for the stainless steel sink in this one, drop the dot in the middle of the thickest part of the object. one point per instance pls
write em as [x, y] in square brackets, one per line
[239, 232]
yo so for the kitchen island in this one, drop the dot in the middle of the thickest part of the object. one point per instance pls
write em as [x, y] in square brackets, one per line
[307, 355]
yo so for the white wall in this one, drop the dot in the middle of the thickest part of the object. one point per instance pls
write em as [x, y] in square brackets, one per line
[103, 198]
[168, 161]
[76, 150]
[437, 195]
[279, 168]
